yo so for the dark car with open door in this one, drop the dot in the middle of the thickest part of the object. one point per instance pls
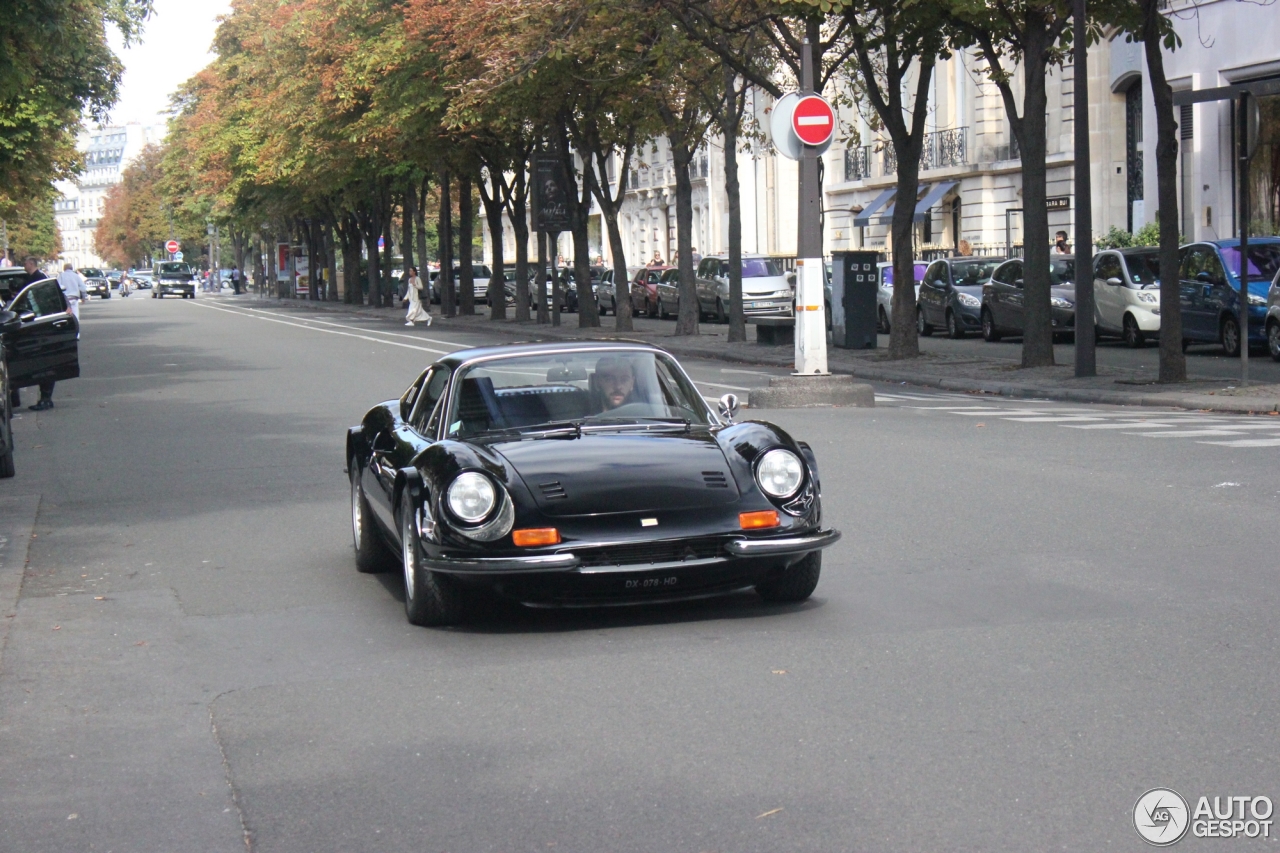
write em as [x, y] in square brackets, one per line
[38, 343]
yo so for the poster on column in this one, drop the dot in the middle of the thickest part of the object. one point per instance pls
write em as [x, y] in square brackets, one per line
[282, 261]
[301, 266]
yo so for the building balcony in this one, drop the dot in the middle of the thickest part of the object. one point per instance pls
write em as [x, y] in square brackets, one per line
[942, 149]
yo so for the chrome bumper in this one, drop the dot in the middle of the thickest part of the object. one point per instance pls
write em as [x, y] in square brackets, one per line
[742, 548]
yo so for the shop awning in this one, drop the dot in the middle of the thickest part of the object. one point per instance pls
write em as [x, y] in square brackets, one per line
[927, 200]
[864, 218]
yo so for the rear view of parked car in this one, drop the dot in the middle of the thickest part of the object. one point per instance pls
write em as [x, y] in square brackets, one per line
[951, 295]
[1126, 294]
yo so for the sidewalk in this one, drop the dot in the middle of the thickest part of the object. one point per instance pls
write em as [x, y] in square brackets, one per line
[971, 374]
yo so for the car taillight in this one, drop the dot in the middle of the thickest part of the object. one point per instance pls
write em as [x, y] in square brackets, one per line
[532, 537]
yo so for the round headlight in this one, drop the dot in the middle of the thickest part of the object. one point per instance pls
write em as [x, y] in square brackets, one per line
[779, 473]
[472, 497]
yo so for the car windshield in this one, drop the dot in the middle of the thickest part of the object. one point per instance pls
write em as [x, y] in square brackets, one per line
[90, 272]
[174, 269]
[579, 390]
[972, 272]
[760, 268]
[887, 274]
[1264, 260]
[1143, 268]
[1062, 271]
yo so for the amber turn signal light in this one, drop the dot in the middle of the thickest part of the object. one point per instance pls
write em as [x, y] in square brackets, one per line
[534, 536]
[757, 520]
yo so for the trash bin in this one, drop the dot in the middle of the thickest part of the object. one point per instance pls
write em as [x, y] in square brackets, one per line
[853, 300]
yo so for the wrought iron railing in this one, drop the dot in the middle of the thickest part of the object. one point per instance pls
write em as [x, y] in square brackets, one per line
[942, 149]
[857, 163]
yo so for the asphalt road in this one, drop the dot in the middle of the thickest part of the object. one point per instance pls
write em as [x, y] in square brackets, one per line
[1038, 612]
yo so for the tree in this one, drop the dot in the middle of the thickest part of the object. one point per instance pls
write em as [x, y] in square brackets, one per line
[33, 230]
[137, 218]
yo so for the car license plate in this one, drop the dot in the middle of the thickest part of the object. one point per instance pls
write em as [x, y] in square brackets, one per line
[642, 584]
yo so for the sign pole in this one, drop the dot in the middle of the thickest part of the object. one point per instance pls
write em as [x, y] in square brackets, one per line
[811, 331]
[1086, 347]
[1243, 172]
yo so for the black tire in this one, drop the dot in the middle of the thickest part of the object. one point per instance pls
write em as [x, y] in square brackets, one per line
[795, 584]
[826, 311]
[662, 309]
[1229, 334]
[1133, 337]
[651, 310]
[431, 599]
[885, 328]
[1273, 340]
[922, 328]
[371, 554]
[6, 434]
[954, 330]
[989, 332]
[721, 315]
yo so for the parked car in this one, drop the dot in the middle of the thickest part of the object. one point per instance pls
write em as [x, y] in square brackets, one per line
[1210, 291]
[884, 293]
[1003, 311]
[606, 293]
[95, 282]
[951, 295]
[644, 290]
[668, 289]
[173, 278]
[765, 288]
[141, 279]
[577, 474]
[38, 342]
[1126, 294]
[1273, 318]
[479, 272]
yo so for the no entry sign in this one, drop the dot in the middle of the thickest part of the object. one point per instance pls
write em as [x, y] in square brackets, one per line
[172, 247]
[813, 120]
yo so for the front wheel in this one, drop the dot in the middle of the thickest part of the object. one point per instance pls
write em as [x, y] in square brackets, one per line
[797, 583]
[662, 309]
[989, 332]
[1231, 337]
[884, 322]
[6, 436]
[1273, 341]
[922, 328]
[954, 329]
[431, 599]
[371, 554]
[721, 316]
[1133, 337]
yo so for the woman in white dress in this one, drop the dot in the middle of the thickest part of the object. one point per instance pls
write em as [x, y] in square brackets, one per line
[416, 310]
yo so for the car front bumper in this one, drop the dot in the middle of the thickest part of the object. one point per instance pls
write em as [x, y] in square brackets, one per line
[732, 549]
[770, 305]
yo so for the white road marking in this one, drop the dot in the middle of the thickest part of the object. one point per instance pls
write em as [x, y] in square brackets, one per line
[200, 304]
[1246, 442]
[1191, 433]
[345, 326]
[1052, 419]
[747, 372]
[722, 385]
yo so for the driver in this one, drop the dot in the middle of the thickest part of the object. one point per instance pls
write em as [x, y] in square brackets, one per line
[615, 380]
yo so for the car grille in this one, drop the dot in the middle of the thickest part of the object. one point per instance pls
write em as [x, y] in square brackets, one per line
[553, 491]
[641, 553]
[715, 479]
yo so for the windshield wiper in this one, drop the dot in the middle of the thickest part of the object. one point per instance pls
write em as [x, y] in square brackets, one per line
[647, 424]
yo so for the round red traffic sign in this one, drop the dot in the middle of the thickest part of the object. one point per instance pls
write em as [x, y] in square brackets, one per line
[172, 247]
[813, 120]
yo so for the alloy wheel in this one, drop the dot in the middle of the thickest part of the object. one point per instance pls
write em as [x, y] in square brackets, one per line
[1231, 337]
[1273, 340]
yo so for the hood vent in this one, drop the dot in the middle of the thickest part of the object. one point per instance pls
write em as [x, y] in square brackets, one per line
[553, 491]
[715, 479]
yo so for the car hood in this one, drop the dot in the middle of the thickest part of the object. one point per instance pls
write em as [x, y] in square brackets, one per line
[622, 472]
[765, 284]
[971, 289]
[1066, 291]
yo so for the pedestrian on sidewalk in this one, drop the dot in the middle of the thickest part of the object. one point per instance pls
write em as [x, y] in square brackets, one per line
[235, 279]
[1060, 244]
[414, 297]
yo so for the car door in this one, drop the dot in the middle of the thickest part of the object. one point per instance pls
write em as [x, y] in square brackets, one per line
[1006, 297]
[1108, 291]
[933, 293]
[44, 346]
[1196, 279]
[1220, 298]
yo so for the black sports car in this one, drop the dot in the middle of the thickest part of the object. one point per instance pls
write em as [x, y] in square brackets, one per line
[574, 474]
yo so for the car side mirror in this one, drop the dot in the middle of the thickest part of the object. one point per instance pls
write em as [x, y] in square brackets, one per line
[1114, 282]
[1017, 282]
[729, 407]
[9, 321]
[1204, 278]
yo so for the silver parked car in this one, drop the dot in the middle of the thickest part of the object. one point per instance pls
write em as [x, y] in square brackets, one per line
[765, 287]
[884, 292]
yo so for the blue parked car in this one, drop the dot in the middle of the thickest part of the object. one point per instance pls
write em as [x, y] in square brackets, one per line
[1210, 280]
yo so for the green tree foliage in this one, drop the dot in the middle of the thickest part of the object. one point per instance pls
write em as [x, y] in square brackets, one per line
[32, 230]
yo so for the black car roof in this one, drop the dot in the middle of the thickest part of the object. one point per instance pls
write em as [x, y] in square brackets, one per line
[459, 357]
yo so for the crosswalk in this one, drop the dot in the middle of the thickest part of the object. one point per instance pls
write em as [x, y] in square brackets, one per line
[1224, 430]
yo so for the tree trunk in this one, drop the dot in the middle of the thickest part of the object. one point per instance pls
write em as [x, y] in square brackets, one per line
[588, 309]
[687, 319]
[1173, 363]
[466, 229]
[1037, 334]
[732, 190]
[269, 279]
[496, 294]
[351, 281]
[407, 216]
[331, 255]
[389, 287]
[259, 272]
[520, 225]
[540, 279]
[420, 230]
[444, 280]
[621, 285]
[372, 230]
[314, 254]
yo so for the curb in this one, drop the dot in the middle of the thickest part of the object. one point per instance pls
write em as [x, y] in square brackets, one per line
[1166, 399]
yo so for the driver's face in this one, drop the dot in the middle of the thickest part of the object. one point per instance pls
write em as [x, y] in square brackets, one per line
[616, 383]
[29, 266]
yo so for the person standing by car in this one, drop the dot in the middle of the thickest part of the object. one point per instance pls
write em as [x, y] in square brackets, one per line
[32, 265]
[235, 279]
[413, 295]
[73, 289]
[1060, 245]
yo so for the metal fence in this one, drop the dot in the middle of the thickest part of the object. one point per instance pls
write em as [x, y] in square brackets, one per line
[942, 149]
[857, 163]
